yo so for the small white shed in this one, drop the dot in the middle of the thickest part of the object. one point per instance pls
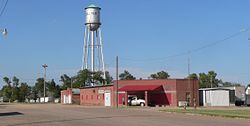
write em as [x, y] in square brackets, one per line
[216, 97]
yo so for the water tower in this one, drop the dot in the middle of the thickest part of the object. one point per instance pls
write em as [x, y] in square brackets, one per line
[92, 48]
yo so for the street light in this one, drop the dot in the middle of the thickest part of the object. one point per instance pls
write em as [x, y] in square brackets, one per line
[4, 31]
[44, 81]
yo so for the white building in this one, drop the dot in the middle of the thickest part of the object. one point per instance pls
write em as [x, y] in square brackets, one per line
[216, 97]
[47, 99]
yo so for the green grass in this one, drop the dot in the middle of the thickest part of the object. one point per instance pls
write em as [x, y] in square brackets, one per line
[210, 112]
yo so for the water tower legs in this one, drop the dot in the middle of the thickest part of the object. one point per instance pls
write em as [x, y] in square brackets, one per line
[93, 42]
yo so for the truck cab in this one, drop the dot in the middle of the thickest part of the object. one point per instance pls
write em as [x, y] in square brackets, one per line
[134, 101]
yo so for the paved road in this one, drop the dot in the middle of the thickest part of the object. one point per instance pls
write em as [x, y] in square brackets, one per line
[73, 115]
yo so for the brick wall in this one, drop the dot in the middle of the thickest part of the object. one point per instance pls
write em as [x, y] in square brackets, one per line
[95, 95]
[185, 87]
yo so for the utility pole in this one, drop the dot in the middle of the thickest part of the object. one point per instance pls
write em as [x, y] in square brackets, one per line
[44, 81]
[117, 82]
[189, 86]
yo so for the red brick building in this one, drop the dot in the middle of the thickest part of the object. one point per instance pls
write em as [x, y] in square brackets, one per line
[70, 96]
[170, 92]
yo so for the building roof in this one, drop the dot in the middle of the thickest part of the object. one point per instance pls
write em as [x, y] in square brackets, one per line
[141, 88]
[217, 88]
[96, 86]
[75, 91]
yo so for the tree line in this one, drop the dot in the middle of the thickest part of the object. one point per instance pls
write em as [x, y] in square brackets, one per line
[14, 90]
[206, 80]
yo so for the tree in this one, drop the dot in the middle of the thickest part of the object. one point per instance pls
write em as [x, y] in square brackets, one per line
[83, 78]
[203, 80]
[229, 84]
[54, 90]
[97, 78]
[57, 92]
[24, 92]
[193, 76]
[15, 81]
[109, 78]
[66, 81]
[7, 81]
[160, 75]
[7, 89]
[51, 88]
[34, 93]
[126, 76]
[15, 89]
[248, 85]
[208, 80]
[39, 86]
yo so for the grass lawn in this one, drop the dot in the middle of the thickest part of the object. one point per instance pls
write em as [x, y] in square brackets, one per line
[212, 112]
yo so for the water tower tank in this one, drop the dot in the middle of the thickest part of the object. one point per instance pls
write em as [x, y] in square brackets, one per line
[93, 17]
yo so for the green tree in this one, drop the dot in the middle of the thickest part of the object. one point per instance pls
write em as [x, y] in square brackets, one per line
[109, 78]
[24, 92]
[7, 81]
[126, 76]
[66, 81]
[15, 89]
[229, 84]
[208, 80]
[51, 88]
[57, 92]
[86, 77]
[7, 89]
[203, 80]
[193, 76]
[39, 86]
[83, 78]
[7, 92]
[160, 75]
[97, 78]
[54, 89]
[34, 93]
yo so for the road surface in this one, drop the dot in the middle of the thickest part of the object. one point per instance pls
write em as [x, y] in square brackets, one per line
[75, 115]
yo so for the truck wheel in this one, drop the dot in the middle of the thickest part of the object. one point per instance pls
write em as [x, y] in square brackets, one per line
[142, 104]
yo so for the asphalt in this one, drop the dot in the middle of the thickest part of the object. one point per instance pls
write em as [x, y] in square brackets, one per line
[75, 115]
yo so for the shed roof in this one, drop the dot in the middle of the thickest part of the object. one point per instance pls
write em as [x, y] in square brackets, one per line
[217, 88]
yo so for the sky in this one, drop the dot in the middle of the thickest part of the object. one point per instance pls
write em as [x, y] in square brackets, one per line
[147, 36]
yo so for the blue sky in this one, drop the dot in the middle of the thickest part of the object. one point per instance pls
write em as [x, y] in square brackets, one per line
[138, 32]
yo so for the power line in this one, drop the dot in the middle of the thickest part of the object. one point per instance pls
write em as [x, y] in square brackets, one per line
[4, 7]
[189, 51]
